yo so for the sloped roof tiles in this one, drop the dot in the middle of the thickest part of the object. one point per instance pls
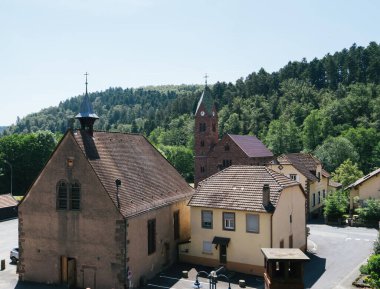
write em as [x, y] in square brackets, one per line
[148, 180]
[241, 188]
[251, 145]
[7, 201]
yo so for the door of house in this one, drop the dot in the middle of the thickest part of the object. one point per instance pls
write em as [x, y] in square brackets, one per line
[68, 271]
[223, 254]
[71, 272]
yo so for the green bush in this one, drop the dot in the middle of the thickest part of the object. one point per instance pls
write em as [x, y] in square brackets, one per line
[364, 269]
[373, 267]
[370, 212]
[376, 245]
[335, 205]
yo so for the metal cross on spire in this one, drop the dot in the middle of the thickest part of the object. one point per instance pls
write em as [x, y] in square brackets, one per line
[86, 81]
[206, 76]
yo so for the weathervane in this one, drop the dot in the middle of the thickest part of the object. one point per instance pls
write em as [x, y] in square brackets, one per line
[206, 76]
[86, 81]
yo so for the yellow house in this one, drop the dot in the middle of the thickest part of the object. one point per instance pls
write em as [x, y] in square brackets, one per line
[307, 170]
[240, 210]
[365, 188]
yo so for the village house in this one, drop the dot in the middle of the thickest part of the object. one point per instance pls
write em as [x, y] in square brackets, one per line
[107, 211]
[307, 170]
[240, 210]
[212, 155]
[364, 188]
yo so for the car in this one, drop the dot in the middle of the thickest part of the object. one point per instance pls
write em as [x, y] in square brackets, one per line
[14, 255]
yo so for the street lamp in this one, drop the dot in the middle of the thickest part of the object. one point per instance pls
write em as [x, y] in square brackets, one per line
[5, 161]
[212, 277]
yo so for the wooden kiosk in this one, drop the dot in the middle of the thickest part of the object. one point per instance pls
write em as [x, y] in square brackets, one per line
[284, 268]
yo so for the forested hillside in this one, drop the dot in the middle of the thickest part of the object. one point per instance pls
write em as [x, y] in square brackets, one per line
[328, 106]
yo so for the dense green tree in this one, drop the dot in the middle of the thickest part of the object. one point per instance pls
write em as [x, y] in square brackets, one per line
[283, 137]
[335, 205]
[369, 213]
[347, 173]
[334, 151]
[181, 158]
[27, 154]
[364, 141]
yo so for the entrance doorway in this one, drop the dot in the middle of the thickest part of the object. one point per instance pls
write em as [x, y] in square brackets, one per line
[223, 254]
[68, 271]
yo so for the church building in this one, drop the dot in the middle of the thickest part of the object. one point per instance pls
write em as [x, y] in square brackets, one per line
[212, 155]
[107, 211]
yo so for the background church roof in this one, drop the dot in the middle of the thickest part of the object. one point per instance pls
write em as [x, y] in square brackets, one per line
[148, 180]
[207, 101]
[251, 145]
[240, 188]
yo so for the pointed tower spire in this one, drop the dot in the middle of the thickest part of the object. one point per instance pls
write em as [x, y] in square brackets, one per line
[86, 115]
[206, 99]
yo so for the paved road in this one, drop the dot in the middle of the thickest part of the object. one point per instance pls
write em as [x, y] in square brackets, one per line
[8, 240]
[338, 254]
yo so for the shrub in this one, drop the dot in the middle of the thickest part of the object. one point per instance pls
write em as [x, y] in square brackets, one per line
[370, 212]
[335, 205]
[376, 245]
[373, 267]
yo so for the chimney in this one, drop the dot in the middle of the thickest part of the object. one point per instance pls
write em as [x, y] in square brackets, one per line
[266, 195]
[118, 184]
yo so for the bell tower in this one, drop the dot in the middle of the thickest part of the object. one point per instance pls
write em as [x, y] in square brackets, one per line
[86, 115]
[205, 133]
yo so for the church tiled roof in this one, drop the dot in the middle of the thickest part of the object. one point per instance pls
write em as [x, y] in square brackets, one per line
[251, 146]
[148, 180]
[241, 188]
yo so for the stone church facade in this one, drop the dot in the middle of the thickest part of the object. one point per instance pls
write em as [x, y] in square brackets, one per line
[107, 211]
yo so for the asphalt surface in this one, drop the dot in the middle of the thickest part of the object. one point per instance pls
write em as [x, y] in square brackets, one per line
[336, 255]
[335, 252]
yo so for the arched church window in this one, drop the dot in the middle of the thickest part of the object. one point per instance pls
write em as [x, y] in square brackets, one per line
[75, 196]
[62, 195]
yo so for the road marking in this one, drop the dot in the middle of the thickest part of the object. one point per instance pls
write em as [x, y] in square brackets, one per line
[182, 279]
[357, 239]
[154, 285]
[348, 239]
[366, 240]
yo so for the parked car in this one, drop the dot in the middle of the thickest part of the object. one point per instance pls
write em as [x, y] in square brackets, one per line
[14, 255]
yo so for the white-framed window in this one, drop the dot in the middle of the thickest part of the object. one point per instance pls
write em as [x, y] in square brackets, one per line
[252, 222]
[206, 219]
[229, 221]
[207, 247]
[293, 177]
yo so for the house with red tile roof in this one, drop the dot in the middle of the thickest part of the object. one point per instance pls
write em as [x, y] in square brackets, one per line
[107, 211]
[212, 155]
[238, 211]
[307, 170]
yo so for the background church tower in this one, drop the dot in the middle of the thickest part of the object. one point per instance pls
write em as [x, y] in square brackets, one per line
[205, 133]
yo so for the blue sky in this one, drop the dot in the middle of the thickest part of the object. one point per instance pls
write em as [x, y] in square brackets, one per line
[47, 46]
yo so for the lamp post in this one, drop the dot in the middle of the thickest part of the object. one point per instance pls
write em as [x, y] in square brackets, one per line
[212, 277]
[5, 161]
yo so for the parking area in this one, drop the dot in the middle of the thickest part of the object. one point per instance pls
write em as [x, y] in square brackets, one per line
[8, 240]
